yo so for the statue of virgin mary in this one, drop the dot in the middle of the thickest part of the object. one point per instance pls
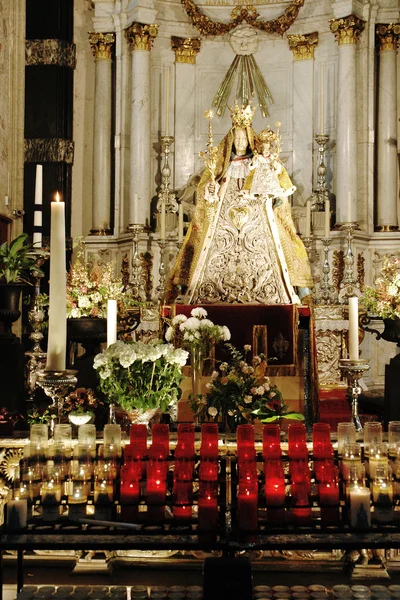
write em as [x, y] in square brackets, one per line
[232, 251]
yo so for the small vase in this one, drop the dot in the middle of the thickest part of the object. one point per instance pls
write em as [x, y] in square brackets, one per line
[10, 294]
[77, 418]
[391, 332]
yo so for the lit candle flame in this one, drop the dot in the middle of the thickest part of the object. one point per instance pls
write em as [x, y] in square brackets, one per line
[57, 197]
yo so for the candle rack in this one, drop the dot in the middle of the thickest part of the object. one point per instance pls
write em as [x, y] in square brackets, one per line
[56, 385]
[349, 286]
[136, 281]
[354, 371]
[326, 294]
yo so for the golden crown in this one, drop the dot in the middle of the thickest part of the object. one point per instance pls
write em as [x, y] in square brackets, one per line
[242, 116]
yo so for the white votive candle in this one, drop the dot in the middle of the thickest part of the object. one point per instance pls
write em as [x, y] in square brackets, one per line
[353, 328]
[111, 322]
[360, 507]
[57, 343]
[17, 514]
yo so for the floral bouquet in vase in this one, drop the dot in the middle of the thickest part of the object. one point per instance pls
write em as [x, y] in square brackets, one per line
[141, 377]
[383, 300]
[198, 335]
[240, 391]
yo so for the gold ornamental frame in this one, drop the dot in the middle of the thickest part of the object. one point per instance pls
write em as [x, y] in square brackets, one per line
[241, 14]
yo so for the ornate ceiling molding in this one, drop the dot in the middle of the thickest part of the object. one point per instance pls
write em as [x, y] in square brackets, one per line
[239, 15]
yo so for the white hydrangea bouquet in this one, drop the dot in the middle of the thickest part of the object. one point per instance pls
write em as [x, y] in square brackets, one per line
[141, 376]
[196, 331]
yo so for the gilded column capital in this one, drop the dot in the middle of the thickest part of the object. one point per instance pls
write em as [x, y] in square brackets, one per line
[186, 49]
[347, 30]
[387, 36]
[141, 36]
[101, 44]
[303, 46]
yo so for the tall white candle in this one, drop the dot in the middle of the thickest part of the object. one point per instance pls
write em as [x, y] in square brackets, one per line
[135, 209]
[308, 219]
[322, 106]
[180, 224]
[162, 221]
[111, 322]
[39, 185]
[327, 221]
[57, 344]
[349, 211]
[167, 101]
[353, 328]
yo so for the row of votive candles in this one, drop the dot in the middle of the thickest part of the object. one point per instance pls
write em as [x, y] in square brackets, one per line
[51, 472]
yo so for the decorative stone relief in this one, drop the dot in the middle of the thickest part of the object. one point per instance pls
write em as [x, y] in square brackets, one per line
[303, 46]
[347, 30]
[337, 268]
[186, 49]
[41, 150]
[50, 52]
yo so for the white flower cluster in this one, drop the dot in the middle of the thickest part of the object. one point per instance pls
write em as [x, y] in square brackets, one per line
[197, 329]
[129, 352]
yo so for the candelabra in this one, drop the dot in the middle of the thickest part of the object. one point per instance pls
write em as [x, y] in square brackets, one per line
[56, 385]
[321, 193]
[326, 293]
[354, 370]
[36, 356]
[160, 289]
[136, 279]
[349, 286]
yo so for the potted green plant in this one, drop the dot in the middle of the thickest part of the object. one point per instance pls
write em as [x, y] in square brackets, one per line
[17, 261]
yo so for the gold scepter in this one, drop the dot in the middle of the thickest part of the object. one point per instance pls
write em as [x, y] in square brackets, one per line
[210, 156]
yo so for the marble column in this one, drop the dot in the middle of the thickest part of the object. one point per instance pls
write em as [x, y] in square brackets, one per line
[387, 38]
[102, 45]
[141, 38]
[347, 31]
[186, 50]
[303, 47]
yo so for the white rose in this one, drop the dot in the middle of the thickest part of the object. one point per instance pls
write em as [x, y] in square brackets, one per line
[248, 399]
[226, 333]
[214, 375]
[169, 334]
[191, 324]
[247, 347]
[212, 411]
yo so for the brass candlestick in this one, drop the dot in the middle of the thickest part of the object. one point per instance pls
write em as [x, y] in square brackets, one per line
[160, 289]
[326, 294]
[136, 279]
[349, 286]
[354, 371]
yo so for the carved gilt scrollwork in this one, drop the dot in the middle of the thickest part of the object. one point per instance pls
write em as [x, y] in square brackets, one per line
[361, 271]
[337, 268]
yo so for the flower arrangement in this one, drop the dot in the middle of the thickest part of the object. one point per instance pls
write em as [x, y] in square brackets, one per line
[81, 401]
[90, 285]
[241, 390]
[383, 300]
[196, 331]
[140, 376]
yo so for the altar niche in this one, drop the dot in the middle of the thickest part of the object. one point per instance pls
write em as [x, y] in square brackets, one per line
[285, 333]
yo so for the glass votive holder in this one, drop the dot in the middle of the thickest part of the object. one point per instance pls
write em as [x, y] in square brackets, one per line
[39, 434]
[346, 434]
[393, 437]
[321, 433]
[138, 437]
[209, 440]
[274, 486]
[51, 487]
[356, 478]
[351, 455]
[245, 435]
[183, 470]
[247, 470]
[87, 437]
[112, 440]
[382, 495]
[378, 457]
[31, 477]
[328, 489]
[129, 490]
[208, 470]
[185, 443]
[63, 435]
[103, 490]
[372, 435]
[360, 507]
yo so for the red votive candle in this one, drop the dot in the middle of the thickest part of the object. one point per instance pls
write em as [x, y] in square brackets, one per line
[208, 506]
[182, 499]
[138, 438]
[274, 484]
[184, 470]
[323, 469]
[271, 441]
[297, 447]
[208, 470]
[129, 491]
[209, 440]
[185, 444]
[182, 512]
[247, 512]
[322, 446]
[160, 437]
[245, 435]
[156, 489]
[246, 453]
[328, 488]
[158, 463]
[301, 506]
[247, 470]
